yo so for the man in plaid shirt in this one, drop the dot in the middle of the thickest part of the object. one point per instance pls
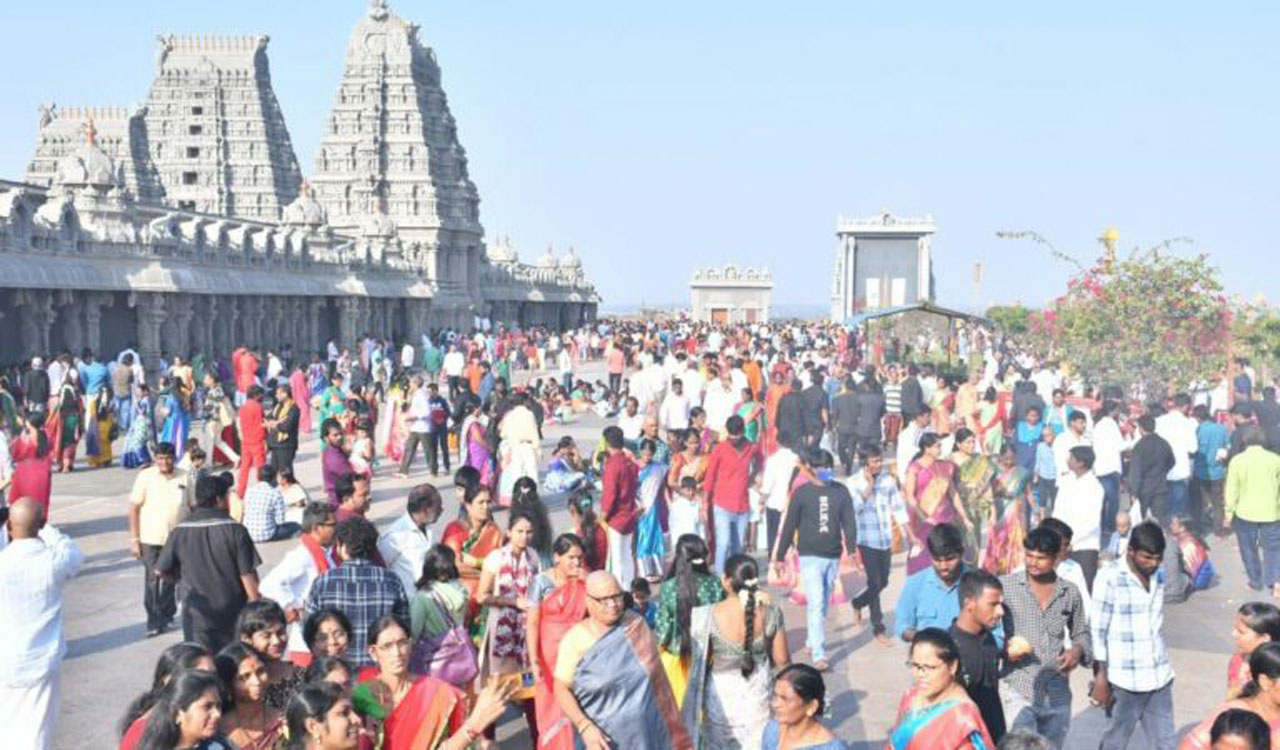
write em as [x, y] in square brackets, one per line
[360, 589]
[1131, 663]
[876, 505]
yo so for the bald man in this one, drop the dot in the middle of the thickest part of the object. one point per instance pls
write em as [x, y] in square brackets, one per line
[608, 680]
[34, 568]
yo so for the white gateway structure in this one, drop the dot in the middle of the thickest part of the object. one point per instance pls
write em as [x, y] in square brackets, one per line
[883, 261]
[731, 295]
[185, 224]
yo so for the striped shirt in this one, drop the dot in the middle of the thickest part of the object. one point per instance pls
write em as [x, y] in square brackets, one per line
[893, 398]
[1126, 622]
[875, 508]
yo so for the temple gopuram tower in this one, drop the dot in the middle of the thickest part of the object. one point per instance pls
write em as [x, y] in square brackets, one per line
[216, 134]
[391, 148]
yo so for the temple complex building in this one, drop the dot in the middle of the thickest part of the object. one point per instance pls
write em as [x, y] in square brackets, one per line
[731, 295]
[185, 224]
[883, 261]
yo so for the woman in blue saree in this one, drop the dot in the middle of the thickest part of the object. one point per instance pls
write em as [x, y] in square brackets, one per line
[176, 423]
[651, 547]
[137, 442]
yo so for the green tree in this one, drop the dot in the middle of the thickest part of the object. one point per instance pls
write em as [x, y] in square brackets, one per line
[1010, 319]
[1144, 322]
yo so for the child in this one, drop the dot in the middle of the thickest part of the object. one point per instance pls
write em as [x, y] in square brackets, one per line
[642, 603]
[1046, 472]
[1119, 543]
[362, 449]
[1195, 554]
[1256, 623]
[685, 514]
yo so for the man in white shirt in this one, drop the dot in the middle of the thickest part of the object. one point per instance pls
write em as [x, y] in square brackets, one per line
[719, 402]
[909, 441]
[775, 488]
[1071, 437]
[1079, 505]
[1108, 446]
[631, 420]
[405, 543]
[453, 365]
[289, 583]
[1179, 430]
[407, 355]
[674, 412]
[34, 568]
[694, 382]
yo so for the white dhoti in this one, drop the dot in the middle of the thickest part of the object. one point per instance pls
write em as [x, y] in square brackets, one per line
[622, 558]
[27, 713]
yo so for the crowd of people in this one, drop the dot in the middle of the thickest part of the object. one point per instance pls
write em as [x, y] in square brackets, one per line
[739, 468]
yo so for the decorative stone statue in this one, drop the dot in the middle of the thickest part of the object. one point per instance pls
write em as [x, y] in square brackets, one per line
[378, 9]
[162, 51]
[46, 114]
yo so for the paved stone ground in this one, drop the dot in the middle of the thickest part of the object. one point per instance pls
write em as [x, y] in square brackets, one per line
[109, 661]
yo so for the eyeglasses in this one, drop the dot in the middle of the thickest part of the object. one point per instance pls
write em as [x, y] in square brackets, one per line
[919, 668]
[328, 523]
[401, 645]
[614, 599]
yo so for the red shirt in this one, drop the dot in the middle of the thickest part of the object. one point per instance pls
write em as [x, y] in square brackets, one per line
[618, 502]
[253, 435]
[246, 371]
[729, 472]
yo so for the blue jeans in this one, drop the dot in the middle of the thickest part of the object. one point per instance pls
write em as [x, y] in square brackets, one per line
[1259, 541]
[731, 535]
[1110, 502]
[1154, 710]
[124, 412]
[1179, 496]
[819, 576]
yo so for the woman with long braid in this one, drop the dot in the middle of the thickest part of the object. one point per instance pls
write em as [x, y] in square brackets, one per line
[737, 645]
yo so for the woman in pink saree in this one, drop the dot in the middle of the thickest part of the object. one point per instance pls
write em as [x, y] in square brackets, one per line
[301, 397]
[929, 488]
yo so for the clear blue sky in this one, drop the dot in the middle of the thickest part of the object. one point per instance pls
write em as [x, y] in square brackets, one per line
[663, 135]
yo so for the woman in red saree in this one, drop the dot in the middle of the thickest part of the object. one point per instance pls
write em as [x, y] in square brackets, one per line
[415, 712]
[557, 602]
[929, 489]
[777, 389]
[472, 537]
[32, 463]
[66, 421]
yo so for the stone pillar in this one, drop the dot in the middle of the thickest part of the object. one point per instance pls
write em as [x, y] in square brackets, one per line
[69, 310]
[314, 336]
[151, 316]
[93, 304]
[35, 317]
[348, 321]
[182, 308]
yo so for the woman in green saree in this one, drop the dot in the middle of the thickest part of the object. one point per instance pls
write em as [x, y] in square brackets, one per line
[974, 474]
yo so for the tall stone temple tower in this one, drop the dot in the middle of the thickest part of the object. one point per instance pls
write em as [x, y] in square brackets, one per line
[391, 153]
[216, 134]
[120, 133]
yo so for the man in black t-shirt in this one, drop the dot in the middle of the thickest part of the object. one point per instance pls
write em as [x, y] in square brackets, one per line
[981, 608]
[216, 559]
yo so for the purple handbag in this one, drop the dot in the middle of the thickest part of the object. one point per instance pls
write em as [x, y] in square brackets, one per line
[449, 656]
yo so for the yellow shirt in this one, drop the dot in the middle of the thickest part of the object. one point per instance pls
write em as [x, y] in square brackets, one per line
[573, 647]
[159, 500]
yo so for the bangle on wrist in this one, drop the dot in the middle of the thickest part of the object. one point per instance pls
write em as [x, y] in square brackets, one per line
[472, 734]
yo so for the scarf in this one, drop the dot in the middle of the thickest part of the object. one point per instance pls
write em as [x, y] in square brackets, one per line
[318, 556]
[515, 575]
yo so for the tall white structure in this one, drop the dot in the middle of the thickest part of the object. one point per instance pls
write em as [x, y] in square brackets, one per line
[731, 295]
[184, 226]
[883, 261]
[391, 148]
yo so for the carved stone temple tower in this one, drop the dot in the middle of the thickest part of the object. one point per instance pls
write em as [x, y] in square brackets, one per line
[216, 133]
[391, 148]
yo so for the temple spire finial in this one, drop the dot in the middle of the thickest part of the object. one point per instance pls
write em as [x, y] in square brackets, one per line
[378, 9]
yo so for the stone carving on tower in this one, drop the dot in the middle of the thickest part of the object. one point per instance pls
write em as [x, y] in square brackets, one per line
[215, 130]
[119, 133]
[392, 142]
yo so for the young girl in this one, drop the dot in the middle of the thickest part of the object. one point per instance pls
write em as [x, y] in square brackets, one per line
[1256, 623]
[1194, 552]
[685, 513]
[362, 449]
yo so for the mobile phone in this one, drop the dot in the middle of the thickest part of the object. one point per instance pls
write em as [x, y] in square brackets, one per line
[526, 679]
